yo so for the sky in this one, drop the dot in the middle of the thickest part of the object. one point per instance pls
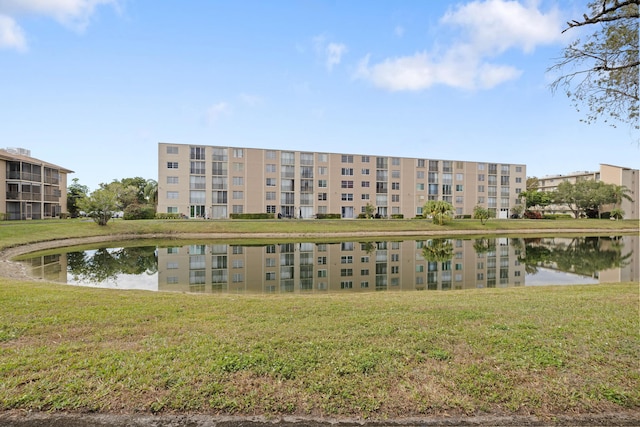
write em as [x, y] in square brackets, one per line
[94, 85]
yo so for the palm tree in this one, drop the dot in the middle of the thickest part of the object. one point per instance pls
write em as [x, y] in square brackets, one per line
[151, 191]
[438, 210]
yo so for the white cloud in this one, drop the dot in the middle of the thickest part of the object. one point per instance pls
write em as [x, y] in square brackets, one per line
[214, 112]
[489, 28]
[251, 100]
[11, 35]
[74, 14]
[329, 52]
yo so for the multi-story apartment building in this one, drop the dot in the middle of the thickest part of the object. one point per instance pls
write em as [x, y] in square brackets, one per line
[33, 189]
[216, 181]
[610, 174]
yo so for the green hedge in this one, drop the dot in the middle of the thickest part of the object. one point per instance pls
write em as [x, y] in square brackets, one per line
[328, 216]
[397, 216]
[251, 216]
[133, 212]
[163, 215]
[557, 216]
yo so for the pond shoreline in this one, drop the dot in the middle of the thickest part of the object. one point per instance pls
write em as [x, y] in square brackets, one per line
[16, 270]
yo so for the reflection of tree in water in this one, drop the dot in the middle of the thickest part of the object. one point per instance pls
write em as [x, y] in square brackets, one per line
[581, 255]
[105, 264]
[484, 245]
[437, 250]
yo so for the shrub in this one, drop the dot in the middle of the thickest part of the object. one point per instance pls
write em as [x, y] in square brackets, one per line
[164, 215]
[328, 216]
[251, 216]
[136, 211]
[64, 215]
[532, 215]
[557, 216]
[397, 216]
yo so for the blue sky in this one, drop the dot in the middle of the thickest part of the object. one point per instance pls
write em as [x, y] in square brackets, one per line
[94, 85]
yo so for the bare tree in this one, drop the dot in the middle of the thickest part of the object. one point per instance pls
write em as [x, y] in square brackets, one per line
[600, 70]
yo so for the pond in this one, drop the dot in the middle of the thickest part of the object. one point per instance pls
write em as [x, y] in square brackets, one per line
[348, 266]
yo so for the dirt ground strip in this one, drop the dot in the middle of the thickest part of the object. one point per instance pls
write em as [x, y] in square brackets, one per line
[30, 419]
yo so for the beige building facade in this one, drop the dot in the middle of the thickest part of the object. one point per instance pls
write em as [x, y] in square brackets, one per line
[610, 174]
[216, 181]
[33, 189]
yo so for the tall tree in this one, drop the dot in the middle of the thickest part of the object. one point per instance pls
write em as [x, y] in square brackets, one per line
[75, 192]
[151, 192]
[100, 205]
[602, 67]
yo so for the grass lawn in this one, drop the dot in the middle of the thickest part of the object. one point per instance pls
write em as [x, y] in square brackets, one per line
[14, 233]
[542, 351]
[537, 350]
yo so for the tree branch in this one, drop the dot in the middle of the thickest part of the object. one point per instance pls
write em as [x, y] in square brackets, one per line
[602, 16]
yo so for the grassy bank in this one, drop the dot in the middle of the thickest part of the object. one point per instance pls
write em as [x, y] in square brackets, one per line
[14, 233]
[544, 351]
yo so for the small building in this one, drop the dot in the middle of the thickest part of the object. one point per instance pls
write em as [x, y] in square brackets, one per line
[608, 174]
[33, 188]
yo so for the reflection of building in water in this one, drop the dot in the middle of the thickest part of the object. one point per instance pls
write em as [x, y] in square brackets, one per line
[354, 266]
[606, 259]
[48, 267]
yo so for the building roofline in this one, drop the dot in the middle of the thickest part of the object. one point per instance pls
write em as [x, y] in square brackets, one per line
[5, 155]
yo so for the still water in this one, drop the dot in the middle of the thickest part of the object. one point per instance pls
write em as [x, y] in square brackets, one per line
[349, 266]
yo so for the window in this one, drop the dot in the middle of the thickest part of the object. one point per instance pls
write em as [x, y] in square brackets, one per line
[172, 180]
[238, 167]
[395, 174]
[421, 163]
[306, 159]
[518, 180]
[172, 149]
[347, 197]
[346, 285]
[172, 165]
[322, 196]
[395, 161]
[270, 154]
[220, 154]
[365, 159]
[347, 158]
[172, 195]
[287, 158]
[219, 168]
[480, 188]
[322, 273]
[323, 158]
[458, 187]
[459, 177]
[519, 169]
[197, 153]
[347, 171]
[365, 171]
[420, 187]
[270, 275]
[197, 182]
[322, 170]
[271, 168]
[420, 175]
[270, 195]
[322, 183]
[365, 184]
[481, 177]
[346, 184]
[364, 197]
[395, 198]
[237, 209]
[322, 260]
[346, 259]
[271, 182]
[395, 185]
[238, 180]
[271, 209]
[346, 272]
[459, 200]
